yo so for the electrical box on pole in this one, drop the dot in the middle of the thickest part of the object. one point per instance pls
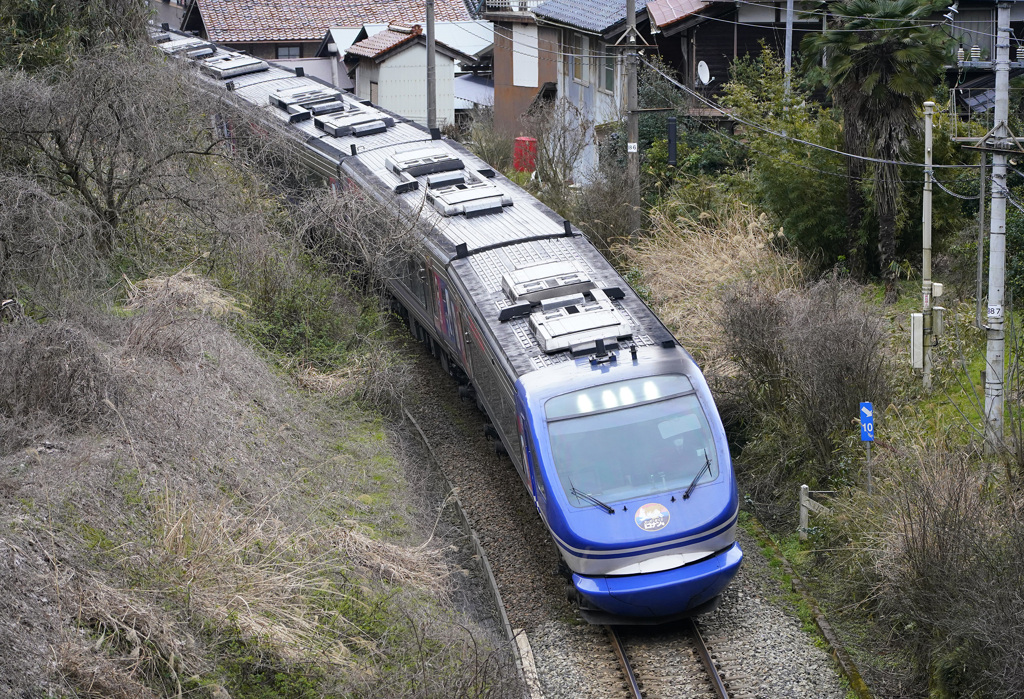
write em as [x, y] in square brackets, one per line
[917, 340]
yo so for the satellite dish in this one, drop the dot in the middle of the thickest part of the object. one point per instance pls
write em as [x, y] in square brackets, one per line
[703, 74]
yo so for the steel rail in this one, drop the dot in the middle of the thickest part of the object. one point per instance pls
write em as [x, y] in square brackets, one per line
[627, 670]
[709, 663]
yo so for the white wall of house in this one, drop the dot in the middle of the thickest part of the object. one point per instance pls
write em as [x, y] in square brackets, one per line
[402, 84]
[590, 76]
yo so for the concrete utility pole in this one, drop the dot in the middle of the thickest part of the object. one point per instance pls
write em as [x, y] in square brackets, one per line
[789, 42]
[926, 246]
[995, 351]
[632, 122]
[431, 70]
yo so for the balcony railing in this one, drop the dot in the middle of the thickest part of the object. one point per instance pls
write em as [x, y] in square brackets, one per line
[511, 5]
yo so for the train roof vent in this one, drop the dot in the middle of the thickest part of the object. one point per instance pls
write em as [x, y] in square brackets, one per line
[423, 161]
[231, 65]
[353, 122]
[469, 198]
[176, 44]
[578, 326]
[544, 281]
[308, 100]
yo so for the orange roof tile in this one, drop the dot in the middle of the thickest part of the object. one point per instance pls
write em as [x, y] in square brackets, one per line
[240, 21]
[383, 41]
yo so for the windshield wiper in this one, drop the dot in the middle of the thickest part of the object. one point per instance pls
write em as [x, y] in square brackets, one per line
[693, 483]
[591, 499]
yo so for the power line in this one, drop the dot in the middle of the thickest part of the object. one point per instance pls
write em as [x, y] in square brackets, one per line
[777, 134]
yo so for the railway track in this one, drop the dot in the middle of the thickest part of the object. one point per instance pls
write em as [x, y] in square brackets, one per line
[673, 663]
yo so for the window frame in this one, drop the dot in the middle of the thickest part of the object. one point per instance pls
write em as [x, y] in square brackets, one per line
[609, 62]
[580, 47]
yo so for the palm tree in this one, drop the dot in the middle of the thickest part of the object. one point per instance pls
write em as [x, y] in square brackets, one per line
[881, 61]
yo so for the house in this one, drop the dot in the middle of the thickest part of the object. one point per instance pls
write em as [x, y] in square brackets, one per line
[389, 68]
[472, 37]
[525, 59]
[294, 29]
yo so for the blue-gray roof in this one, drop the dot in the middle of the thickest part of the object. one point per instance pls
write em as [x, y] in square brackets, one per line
[589, 15]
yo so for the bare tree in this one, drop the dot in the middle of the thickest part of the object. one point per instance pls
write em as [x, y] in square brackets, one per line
[563, 133]
[116, 131]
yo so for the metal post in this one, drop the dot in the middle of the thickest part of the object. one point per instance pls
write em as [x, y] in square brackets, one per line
[672, 143]
[431, 70]
[632, 122]
[789, 43]
[926, 247]
[804, 497]
[870, 486]
[995, 350]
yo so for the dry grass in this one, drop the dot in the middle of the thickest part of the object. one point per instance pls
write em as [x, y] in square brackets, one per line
[688, 263]
[377, 377]
[55, 371]
[284, 586]
[135, 645]
[183, 290]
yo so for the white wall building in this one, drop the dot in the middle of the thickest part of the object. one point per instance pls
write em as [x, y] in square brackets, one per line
[390, 69]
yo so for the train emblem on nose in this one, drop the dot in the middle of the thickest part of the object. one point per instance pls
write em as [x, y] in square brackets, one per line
[652, 517]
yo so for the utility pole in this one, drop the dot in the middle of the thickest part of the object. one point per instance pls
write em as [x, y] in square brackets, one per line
[632, 121]
[996, 338]
[431, 72]
[789, 43]
[926, 247]
[980, 318]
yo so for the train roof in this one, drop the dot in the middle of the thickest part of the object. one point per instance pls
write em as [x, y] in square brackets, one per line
[536, 284]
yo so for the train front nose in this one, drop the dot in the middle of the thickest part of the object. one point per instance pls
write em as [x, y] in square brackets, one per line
[664, 594]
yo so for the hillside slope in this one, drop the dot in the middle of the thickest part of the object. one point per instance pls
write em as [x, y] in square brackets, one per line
[179, 520]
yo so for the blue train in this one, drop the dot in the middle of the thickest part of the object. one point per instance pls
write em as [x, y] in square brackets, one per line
[608, 421]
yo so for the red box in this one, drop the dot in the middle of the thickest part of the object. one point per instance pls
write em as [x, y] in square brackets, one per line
[524, 155]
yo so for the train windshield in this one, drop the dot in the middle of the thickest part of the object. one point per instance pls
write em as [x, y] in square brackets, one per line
[630, 439]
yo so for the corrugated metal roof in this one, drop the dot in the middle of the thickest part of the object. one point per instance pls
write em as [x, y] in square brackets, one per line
[589, 15]
[473, 90]
[666, 12]
[239, 21]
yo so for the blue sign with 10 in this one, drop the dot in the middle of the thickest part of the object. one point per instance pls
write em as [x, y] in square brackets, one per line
[867, 423]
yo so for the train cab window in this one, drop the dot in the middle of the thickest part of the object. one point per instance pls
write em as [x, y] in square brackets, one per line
[630, 439]
[415, 278]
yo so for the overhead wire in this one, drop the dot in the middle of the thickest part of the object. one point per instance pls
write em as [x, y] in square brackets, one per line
[772, 132]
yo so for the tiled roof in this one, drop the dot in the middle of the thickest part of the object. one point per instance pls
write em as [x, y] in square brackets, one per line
[239, 21]
[381, 42]
[589, 15]
[389, 40]
[666, 12]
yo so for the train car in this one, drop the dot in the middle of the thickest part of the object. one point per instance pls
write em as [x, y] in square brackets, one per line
[607, 419]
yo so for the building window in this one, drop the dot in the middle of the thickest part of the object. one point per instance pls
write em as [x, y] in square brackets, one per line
[373, 92]
[608, 70]
[580, 46]
[289, 52]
